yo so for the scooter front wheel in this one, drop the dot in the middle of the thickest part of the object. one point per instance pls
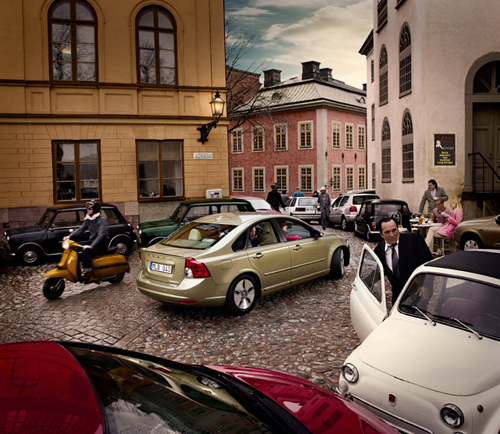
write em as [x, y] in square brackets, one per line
[53, 287]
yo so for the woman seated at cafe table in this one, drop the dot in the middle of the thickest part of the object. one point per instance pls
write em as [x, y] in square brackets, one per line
[452, 220]
[439, 216]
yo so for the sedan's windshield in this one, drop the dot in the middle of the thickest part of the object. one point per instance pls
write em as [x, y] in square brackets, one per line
[178, 213]
[140, 396]
[47, 216]
[307, 201]
[454, 301]
[260, 204]
[198, 235]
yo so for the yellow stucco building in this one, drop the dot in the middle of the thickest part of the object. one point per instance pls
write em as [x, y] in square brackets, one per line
[101, 99]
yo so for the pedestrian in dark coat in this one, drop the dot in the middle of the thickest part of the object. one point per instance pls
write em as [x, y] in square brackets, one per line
[324, 203]
[274, 199]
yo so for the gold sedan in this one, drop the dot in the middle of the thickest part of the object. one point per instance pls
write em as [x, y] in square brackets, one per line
[233, 259]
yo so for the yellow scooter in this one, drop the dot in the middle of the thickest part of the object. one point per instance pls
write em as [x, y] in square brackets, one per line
[110, 267]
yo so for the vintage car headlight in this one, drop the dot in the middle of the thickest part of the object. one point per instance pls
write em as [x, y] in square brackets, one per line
[452, 416]
[350, 373]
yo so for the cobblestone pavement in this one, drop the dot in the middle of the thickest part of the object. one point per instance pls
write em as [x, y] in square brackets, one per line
[304, 331]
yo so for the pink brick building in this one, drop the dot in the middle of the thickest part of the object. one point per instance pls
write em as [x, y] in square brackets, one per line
[307, 132]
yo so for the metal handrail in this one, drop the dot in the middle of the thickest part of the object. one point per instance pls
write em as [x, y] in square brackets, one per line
[493, 172]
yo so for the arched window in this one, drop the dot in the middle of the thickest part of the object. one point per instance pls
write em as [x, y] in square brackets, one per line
[386, 151]
[405, 61]
[384, 77]
[487, 79]
[156, 53]
[73, 41]
[407, 139]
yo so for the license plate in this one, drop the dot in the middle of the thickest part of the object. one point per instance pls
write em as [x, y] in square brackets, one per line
[160, 267]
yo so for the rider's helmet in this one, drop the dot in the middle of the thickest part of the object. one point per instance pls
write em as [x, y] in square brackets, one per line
[96, 206]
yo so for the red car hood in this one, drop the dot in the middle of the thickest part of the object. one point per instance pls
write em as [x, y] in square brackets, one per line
[42, 388]
[320, 410]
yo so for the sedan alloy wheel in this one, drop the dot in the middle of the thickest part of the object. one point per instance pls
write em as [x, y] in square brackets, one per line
[242, 295]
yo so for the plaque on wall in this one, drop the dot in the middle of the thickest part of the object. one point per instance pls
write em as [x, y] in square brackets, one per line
[444, 150]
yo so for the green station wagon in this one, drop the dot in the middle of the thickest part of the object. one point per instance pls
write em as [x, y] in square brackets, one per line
[149, 233]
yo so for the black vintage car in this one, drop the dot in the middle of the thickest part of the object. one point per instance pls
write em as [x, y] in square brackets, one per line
[30, 245]
[373, 210]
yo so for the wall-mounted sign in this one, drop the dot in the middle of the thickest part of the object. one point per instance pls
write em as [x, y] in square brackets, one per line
[444, 150]
[203, 156]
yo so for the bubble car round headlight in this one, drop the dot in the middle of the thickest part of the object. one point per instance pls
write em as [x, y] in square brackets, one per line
[350, 373]
[452, 416]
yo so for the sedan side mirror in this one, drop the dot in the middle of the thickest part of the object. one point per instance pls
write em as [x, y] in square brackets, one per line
[317, 234]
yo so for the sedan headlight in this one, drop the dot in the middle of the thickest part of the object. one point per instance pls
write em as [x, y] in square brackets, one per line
[350, 373]
[452, 416]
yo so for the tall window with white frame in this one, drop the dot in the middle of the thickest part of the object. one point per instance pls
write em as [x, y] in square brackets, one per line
[237, 140]
[374, 175]
[281, 177]
[160, 169]
[386, 151]
[280, 137]
[257, 139]
[258, 179]
[405, 61]
[305, 131]
[407, 139]
[336, 135]
[349, 140]
[336, 178]
[349, 178]
[72, 41]
[361, 138]
[77, 167]
[361, 177]
[306, 178]
[384, 77]
[156, 42]
[238, 185]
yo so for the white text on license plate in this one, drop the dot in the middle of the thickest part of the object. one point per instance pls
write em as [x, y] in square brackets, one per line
[160, 267]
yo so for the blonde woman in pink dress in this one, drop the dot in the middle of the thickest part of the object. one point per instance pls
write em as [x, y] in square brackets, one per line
[452, 219]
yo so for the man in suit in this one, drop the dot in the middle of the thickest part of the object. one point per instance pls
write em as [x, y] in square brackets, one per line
[400, 254]
[430, 195]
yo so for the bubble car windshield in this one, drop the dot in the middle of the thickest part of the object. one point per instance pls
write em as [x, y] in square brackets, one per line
[454, 301]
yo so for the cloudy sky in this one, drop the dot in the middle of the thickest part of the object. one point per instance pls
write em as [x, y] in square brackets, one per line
[289, 32]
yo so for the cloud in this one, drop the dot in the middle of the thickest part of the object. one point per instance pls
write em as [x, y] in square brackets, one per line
[331, 35]
[314, 4]
[248, 13]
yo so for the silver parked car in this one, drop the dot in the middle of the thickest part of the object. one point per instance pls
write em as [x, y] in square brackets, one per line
[346, 207]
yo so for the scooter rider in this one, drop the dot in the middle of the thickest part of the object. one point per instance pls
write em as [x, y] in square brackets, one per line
[99, 238]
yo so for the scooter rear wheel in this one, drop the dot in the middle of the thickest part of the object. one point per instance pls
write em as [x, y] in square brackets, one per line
[53, 288]
[117, 279]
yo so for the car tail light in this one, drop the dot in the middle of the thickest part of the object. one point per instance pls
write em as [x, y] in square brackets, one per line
[352, 208]
[374, 226]
[300, 209]
[195, 269]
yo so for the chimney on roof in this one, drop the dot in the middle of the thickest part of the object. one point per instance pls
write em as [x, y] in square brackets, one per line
[272, 77]
[326, 74]
[310, 70]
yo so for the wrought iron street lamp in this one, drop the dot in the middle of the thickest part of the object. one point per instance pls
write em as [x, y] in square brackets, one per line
[217, 107]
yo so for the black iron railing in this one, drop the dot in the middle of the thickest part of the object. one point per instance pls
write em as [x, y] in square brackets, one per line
[487, 172]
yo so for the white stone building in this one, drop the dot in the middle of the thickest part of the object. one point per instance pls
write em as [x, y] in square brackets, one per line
[433, 99]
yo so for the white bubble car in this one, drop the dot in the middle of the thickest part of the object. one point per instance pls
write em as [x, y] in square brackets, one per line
[431, 365]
